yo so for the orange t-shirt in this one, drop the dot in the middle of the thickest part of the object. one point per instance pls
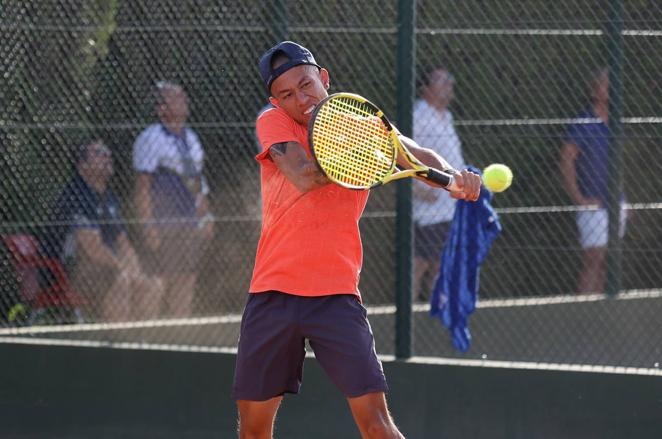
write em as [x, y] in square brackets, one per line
[310, 243]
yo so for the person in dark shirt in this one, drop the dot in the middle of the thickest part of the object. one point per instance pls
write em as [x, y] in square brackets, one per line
[584, 160]
[92, 241]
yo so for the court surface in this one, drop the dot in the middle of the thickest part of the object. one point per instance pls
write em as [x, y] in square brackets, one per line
[560, 332]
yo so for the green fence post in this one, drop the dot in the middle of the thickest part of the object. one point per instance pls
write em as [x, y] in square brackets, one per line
[615, 181]
[406, 57]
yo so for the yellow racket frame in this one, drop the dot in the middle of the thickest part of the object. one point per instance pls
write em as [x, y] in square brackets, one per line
[357, 147]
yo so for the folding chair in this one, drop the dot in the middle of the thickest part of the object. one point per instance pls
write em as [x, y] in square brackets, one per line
[43, 283]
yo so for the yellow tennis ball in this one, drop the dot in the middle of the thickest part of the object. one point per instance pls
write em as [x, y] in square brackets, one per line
[497, 177]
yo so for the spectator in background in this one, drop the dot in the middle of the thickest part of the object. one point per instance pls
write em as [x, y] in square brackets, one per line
[433, 210]
[92, 241]
[584, 159]
[171, 197]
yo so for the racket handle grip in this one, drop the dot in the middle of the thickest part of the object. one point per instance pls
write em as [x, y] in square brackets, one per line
[443, 178]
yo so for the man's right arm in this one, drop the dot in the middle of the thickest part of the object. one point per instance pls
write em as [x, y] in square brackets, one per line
[89, 241]
[145, 161]
[142, 197]
[143, 204]
[569, 153]
[291, 159]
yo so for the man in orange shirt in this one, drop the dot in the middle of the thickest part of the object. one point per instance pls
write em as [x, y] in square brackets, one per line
[305, 280]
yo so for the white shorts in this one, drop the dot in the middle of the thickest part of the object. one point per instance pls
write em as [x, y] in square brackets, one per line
[593, 227]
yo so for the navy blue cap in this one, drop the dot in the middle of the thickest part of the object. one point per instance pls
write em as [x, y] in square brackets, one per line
[297, 55]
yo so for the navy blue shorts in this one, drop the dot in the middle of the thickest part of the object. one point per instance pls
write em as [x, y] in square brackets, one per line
[271, 351]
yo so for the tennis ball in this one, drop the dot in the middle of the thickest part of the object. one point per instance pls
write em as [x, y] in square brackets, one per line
[17, 312]
[497, 177]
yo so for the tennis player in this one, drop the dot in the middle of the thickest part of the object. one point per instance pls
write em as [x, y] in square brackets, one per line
[306, 274]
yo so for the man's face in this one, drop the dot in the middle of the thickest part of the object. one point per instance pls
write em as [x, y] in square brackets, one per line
[601, 87]
[299, 90]
[441, 86]
[99, 160]
[175, 105]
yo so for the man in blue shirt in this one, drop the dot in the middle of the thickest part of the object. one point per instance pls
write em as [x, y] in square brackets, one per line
[584, 160]
[92, 241]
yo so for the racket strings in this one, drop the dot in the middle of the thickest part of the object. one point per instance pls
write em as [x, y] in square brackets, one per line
[352, 144]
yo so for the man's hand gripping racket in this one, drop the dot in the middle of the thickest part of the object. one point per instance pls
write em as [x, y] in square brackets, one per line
[357, 147]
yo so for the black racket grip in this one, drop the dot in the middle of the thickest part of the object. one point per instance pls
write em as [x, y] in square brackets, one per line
[443, 178]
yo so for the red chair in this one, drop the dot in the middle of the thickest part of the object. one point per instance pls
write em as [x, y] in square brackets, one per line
[43, 282]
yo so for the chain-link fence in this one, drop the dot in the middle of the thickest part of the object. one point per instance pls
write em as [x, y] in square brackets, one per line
[522, 81]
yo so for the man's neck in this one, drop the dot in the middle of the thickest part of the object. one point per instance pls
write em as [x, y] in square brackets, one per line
[97, 183]
[439, 106]
[175, 127]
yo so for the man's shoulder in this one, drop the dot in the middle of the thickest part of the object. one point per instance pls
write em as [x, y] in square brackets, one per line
[275, 122]
[580, 124]
[75, 195]
[424, 111]
[192, 135]
[583, 117]
[273, 115]
[268, 106]
[150, 131]
[152, 128]
[76, 185]
[420, 105]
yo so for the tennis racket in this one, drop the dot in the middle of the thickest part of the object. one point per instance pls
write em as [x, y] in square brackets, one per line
[357, 147]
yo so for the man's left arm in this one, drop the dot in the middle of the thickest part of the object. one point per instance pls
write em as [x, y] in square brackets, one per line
[126, 252]
[427, 156]
[468, 183]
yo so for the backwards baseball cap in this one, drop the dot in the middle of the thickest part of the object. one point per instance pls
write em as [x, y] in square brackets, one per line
[296, 55]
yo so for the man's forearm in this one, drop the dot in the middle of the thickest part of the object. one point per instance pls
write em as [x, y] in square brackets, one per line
[427, 156]
[142, 198]
[569, 181]
[293, 162]
[96, 251]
